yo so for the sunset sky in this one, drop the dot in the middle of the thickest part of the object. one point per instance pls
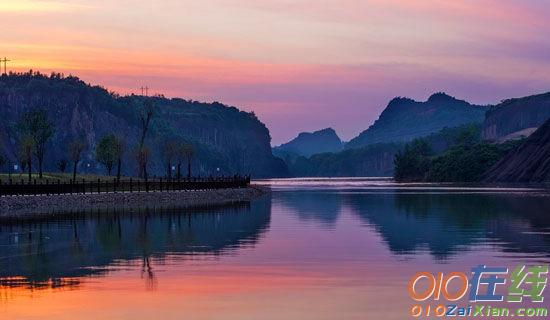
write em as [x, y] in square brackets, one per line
[300, 65]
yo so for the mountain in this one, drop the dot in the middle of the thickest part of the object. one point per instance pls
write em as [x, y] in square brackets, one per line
[530, 162]
[405, 119]
[515, 117]
[223, 137]
[310, 143]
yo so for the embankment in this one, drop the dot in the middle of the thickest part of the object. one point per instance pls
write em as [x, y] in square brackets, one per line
[40, 206]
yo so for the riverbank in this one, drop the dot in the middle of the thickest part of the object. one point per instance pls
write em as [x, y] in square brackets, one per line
[40, 206]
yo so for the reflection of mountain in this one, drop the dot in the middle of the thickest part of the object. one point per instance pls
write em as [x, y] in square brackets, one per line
[51, 251]
[447, 223]
[322, 207]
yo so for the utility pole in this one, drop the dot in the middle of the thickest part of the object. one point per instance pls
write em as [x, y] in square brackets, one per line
[5, 60]
[144, 90]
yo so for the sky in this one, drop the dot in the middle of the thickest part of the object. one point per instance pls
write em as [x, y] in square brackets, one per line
[300, 65]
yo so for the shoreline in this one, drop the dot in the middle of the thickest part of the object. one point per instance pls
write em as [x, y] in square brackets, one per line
[42, 206]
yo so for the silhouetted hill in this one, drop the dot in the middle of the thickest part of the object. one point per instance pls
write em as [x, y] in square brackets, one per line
[223, 137]
[310, 143]
[530, 162]
[405, 119]
[516, 115]
[374, 160]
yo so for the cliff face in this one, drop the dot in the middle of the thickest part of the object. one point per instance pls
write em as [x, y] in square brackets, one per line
[405, 119]
[223, 137]
[530, 162]
[310, 143]
[515, 115]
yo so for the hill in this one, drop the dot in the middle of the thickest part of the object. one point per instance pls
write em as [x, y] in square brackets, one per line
[513, 117]
[405, 119]
[530, 162]
[371, 161]
[222, 136]
[310, 143]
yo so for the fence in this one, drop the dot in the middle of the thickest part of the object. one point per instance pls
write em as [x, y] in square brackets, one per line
[11, 188]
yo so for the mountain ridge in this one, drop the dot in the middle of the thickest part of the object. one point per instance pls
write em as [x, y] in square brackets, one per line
[405, 119]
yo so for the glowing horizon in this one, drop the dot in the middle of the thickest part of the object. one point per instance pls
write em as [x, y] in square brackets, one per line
[299, 65]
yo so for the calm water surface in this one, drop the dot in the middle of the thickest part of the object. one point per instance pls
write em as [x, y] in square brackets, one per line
[312, 249]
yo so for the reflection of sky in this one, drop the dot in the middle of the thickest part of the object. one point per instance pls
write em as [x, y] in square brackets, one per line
[300, 64]
[338, 259]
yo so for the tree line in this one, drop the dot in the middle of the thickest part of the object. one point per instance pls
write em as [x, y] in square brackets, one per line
[35, 131]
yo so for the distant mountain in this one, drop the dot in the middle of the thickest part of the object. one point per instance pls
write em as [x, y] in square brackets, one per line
[515, 117]
[405, 119]
[223, 137]
[310, 143]
[530, 162]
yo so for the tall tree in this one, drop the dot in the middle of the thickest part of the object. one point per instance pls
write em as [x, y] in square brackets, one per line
[76, 148]
[188, 151]
[119, 151]
[26, 146]
[62, 165]
[169, 152]
[145, 117]
[36, 125]
[106, 151]
[2, 161]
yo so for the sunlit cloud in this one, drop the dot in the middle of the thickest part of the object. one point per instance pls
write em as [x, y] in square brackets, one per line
[38, 6]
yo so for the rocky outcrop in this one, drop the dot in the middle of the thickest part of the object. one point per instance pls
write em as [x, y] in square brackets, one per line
[515, 115]
[530, 162]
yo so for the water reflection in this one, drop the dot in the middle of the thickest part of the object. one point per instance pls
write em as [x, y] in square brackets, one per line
[340, 252]
[321, 207]
[447, 223]
[56, 253]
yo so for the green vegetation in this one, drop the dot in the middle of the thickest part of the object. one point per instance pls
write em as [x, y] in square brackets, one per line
[34, 125]
[467, 163]
[464, 162]
[413, 162]
[372, 160]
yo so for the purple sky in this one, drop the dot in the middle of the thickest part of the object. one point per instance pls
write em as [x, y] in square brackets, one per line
[300, 65]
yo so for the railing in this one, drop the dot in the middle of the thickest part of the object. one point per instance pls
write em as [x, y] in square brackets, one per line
[25, 187]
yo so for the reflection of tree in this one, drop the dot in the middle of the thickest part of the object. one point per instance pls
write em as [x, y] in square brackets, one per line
[151, 281]
[448, 223]
[87, 244]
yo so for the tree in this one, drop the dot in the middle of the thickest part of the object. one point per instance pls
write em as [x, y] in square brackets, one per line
[106, 151]
[119, 152]
[142, 156]
[169, 151]
[36, 125]
[145, 117]
[76, 148]
[62, 165]
[413, 163]
[2, 161]
[26, 146]
[188, 152]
